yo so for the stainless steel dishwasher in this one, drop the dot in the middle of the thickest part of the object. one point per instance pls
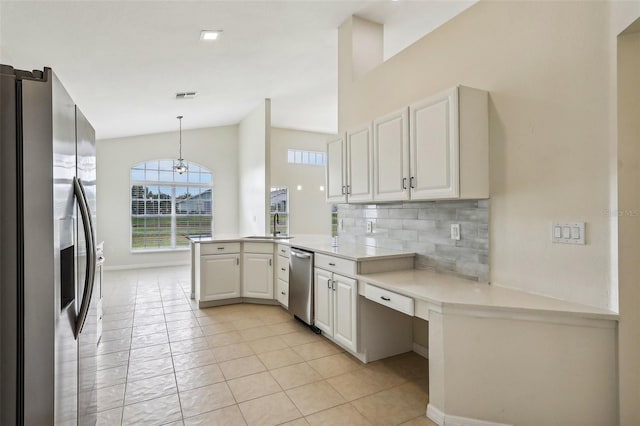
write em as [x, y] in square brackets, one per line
[301, 285]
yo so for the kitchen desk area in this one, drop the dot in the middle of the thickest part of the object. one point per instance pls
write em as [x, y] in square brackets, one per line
[495, 354]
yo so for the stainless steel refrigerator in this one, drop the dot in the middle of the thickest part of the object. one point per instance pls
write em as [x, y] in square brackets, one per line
[48, 322]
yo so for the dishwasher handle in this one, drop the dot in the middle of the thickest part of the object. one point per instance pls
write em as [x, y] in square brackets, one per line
[300, 255]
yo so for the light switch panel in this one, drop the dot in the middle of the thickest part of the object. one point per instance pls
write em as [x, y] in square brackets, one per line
[568, 233]
[455, 231]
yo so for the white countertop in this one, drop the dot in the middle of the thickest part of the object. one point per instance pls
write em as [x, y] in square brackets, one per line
[451, 291]
[317, 244]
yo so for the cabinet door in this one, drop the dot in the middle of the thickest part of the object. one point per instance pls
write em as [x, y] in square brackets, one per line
[219, 276]
[257, 275]
[345, 307]
[335, 171]
[391, 157]
[323, 301]
[434, 147]
[359, 164]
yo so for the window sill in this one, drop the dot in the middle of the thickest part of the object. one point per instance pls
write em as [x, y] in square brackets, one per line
[166, 250]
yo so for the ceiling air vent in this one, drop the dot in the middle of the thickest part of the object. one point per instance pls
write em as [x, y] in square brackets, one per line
[186, 95]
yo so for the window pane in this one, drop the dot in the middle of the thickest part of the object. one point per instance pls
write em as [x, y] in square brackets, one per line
[305, 157]
[166, 176]
[205, 177]
[137, 174]
[166, 165]
[151, 175]
[298, 156]
[290, 156]
[137, 191]
[193, 177]
[193, 167]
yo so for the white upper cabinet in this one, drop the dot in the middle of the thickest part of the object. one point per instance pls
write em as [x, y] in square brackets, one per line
[449, 146]
[359, 164]
[335, 171]
[391, 156]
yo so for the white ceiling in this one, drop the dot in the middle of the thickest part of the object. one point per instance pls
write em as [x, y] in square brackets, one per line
[123, 61]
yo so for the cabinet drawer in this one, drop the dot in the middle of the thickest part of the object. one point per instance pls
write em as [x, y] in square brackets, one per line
[219, 248]
[390, 299]
[283, 293]
[266, 248]
[283, 250]
[283, 268]
[335, 264]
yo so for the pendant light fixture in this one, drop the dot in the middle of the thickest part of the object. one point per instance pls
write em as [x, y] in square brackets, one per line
[179, 166]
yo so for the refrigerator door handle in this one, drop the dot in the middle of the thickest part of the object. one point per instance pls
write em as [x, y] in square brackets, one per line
[91, 254]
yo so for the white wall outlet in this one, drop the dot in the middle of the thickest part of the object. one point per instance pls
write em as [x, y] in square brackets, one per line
[568, 233]
[369, 227]
[455, 231]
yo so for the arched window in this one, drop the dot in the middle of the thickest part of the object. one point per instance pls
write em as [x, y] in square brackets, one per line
[167, 206]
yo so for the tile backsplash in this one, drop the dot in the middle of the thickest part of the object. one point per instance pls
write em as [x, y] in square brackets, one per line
[425, 228]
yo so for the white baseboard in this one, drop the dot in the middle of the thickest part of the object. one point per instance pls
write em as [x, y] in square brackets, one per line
[423, 351]
[442, 419]
[143, 266]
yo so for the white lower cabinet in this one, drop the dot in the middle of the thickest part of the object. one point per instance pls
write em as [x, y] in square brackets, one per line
[336, 307]
[257, 275]
[219, 277]
[282, 295]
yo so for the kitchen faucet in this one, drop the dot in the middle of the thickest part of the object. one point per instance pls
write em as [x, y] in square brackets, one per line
[276, 221]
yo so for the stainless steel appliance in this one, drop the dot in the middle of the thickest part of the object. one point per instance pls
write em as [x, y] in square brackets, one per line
[48, 323]
[301, 285]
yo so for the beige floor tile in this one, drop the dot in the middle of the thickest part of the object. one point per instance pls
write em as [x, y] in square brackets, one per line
[280, 358]
[287, 327]
[155, 387]
[391, 406]
[149, 329]
[224, 339]
[186, 323]
[189, 345]
[111, 360]
[148, 319]
[355, 384]
[118, 334]
[206, 318]
[309, 351]
[110, 417]
[179, 316]
[295, 375]
[147, 369]
[247, 323]
[207, 398]
[139, 313]
[111, 376]
[234, 351]
[198, 377]
[228, 416]
[193, 360]
[114, 346]
[241, 367]
[300, 338]
[409, 366]
[149, 353]
[297, 422]
[211, 329]
[186, 333]
[149, 340]
[111, 397]
[419, 421]
[383, 375]
[178, 307]
[267, 344]
[256, 333]
[269, 410]
[253, 386]
[345, 414]
[315, 397]
[153, 412]
[335, 365]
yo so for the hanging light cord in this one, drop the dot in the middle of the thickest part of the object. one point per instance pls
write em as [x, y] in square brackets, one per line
[180, 138]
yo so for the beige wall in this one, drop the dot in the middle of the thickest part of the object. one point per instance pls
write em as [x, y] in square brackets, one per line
[214, 148]
[546, 67]
[253, 170]
[629, 224]
[309, 212]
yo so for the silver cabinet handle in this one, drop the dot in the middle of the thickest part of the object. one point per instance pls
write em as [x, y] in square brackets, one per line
[348, 189]
[385, 298]
[329, 283]
[283, 269]
[237, 260]
[332, 264]
[283, 293]
[411, 182]
[404, 183]
[269, 262]
[333, 286]
[220, 248]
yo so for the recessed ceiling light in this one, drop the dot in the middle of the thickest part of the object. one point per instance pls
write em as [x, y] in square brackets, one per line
[208, 35]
